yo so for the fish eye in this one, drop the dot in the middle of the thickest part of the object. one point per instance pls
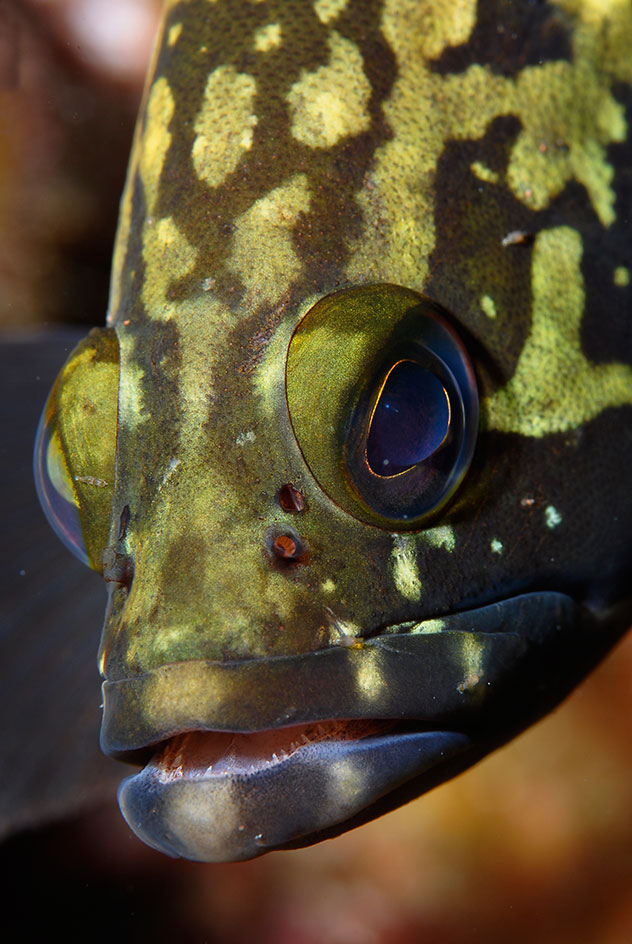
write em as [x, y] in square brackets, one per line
[75, 445]
[383, 402]
[410, 419]
[55, 487]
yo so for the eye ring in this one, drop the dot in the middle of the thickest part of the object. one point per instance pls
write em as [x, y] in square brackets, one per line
[353, 349]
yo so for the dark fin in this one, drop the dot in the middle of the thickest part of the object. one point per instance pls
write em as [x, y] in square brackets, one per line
[51, 612]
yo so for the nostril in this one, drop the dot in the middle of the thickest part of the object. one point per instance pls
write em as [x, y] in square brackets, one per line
[286, 547]
[291, 499]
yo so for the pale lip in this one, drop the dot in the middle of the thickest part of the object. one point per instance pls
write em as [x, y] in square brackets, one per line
[243, 805]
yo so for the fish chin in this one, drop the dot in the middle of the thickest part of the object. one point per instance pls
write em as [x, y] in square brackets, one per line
[214, 796]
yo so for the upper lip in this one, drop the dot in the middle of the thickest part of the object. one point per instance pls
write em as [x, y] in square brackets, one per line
[441, 678]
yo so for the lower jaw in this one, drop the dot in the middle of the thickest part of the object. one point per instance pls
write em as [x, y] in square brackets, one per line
[213, 797]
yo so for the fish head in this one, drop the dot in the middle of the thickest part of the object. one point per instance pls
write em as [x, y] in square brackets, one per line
[369, 514]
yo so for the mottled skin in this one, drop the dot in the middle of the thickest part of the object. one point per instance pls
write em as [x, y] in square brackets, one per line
[288, 150]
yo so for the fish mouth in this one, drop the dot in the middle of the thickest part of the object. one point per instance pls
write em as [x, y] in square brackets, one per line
[219, 796]
[242, 758]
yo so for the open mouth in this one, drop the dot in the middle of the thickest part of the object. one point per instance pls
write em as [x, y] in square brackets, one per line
[201, 755]
[221, 796]
[273, 753]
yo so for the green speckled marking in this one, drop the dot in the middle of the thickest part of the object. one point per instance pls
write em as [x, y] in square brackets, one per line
[331, 103]
[484, 173]
[441, 536]
[428, 626]
[555, 387]
[404, 564]
[225, 125]
[488, 306]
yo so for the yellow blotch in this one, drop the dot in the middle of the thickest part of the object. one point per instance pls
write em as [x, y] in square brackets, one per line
[404, 565]
[268, 37]
[427, 628]
[489, 306]
[368, 675]
[150, 134]
[347, 781]
[120, 246]
[484, 173]
[472, 657]
[427, 28]
[196, 375]
[329, 10]
[331, 103]
[569, 118]
[621, 276]
[441, 536]
[263, 253]
[567, 112]
[554, 387]
[398, 198]
[161, 698]
[607, 25]
[168, 255]
[155, 140]
[174, 33]
[225, 124]
[132, 410]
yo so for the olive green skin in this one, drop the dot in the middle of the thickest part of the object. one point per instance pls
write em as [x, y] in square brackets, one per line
[478, 154]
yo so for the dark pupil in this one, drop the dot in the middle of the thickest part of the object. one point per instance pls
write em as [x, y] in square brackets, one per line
[410, 421]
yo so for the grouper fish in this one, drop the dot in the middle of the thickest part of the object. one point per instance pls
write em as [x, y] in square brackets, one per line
[352, 454]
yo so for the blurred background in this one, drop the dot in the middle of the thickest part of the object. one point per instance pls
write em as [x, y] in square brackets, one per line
[535, 843]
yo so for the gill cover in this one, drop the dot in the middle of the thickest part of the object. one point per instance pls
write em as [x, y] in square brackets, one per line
[75, 447]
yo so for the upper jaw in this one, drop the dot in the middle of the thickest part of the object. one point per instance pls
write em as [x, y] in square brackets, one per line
[453, 675]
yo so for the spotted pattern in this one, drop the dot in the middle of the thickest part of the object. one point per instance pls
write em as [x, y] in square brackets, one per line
[331, 103]
[291, 149]
[535, 402]
[405, 572]
[225, 124]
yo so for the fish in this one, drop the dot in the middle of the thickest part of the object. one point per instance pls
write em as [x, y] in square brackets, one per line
[351, 452]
